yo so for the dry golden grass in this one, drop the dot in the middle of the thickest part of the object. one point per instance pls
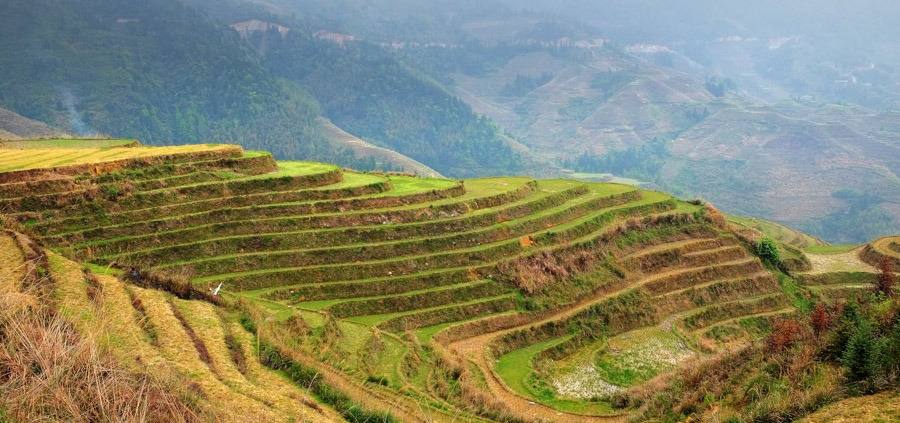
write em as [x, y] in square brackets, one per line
[178, 348]
[882, 408]
[11, 159]
[50, 371]
[12, 271]
[209, 328]
[111, 323]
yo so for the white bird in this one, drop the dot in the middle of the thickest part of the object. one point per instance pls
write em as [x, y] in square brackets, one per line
[216, 291]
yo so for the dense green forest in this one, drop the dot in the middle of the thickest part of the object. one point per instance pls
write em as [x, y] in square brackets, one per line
[166, 72]
[154, 70]
[370, 93]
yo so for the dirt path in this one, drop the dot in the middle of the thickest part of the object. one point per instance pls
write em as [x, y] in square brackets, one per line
[840, 262]
[475, 350]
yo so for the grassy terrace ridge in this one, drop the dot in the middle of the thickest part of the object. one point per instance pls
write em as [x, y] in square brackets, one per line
[444, 275]
[572, 230]
[289, 175]
[404, 189]
[515, 364]
[454, 240]
[280, 209]
[354, 183]
[779, 232]
[881, 250]
[387, 297]
[252, 227]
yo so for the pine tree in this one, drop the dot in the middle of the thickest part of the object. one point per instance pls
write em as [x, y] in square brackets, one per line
[860, 354]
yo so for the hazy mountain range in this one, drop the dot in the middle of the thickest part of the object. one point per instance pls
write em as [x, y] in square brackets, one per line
[783, 110]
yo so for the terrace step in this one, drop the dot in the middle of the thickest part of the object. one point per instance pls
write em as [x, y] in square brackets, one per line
[34, 164]
[419, 299]
[261, 205]
[246, 165]
[840, 291]
[452, 207]
[572, 231]
[684, 254]
[730, 310]
[719, 290]
[46, 186]
[211, 330]
[450, 313]
[704, 332]
[678, 279]
[376, 251]
[178, 347]
[370, 287]
[262, 240]
[293, 178]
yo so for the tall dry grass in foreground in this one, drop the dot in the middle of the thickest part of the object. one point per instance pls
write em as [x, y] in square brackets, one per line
[51, 372]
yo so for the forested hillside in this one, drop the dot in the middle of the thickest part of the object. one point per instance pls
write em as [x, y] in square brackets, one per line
[154, 70]
[368, 92]
[675, 113]
[166, 72]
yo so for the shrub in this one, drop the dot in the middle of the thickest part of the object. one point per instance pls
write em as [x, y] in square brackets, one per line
[767, 250]
[819, 319]
[784, 334]
[885, 283]
[859, 354]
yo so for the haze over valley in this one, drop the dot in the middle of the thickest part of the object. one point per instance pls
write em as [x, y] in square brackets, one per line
[515, 211]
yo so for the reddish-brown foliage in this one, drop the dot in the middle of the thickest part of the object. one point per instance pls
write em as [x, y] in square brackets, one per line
[534, 273]
[819, 319]
[785, 333]
[715, 216]
[885, 282]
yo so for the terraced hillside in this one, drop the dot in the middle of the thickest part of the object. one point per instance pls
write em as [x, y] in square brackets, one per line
[883, 249]
[427, 299]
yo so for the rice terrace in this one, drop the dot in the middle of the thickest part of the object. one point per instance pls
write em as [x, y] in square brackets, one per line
[233, 287]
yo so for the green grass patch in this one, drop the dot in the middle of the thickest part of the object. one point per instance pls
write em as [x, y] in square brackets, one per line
[800, 297]
[515, 367]
[831, 249]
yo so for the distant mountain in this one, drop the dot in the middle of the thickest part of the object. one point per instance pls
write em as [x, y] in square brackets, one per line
[740, 110]
[166, 72]
[833, 50]
[702, 113]
[14, 126]
[372, 94]
[153, 70]
[603, 110]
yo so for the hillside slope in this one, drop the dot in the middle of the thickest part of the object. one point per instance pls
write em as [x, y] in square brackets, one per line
[712, 116]
[381, 157]
[391, 297]
[14, 126]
